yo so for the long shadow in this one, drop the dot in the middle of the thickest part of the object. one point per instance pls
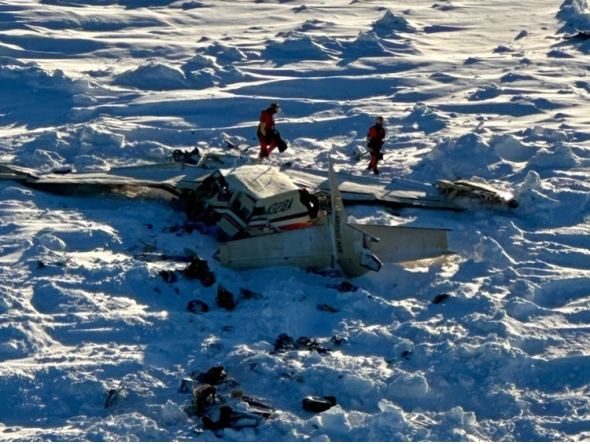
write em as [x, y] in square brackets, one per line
[577, 39]
[128, 4]
[52, 46]
[22, 105]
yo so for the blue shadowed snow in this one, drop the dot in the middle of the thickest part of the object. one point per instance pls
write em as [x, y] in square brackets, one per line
[489, 343]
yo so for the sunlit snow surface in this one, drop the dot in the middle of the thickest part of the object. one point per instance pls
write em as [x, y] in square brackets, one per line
[493, 90]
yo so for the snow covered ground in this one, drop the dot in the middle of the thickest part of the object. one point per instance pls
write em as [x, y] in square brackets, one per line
[497, 90]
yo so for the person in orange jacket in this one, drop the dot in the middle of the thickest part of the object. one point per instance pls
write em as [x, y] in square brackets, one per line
[267, 134]
[375, 140]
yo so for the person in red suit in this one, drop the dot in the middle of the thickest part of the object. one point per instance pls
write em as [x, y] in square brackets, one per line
[267, 134]
[375, 140]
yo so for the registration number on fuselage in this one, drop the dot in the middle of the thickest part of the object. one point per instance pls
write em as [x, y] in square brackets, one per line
[279, 207]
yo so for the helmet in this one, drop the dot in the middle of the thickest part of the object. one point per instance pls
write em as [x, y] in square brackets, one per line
[379, 120]
[275, 107]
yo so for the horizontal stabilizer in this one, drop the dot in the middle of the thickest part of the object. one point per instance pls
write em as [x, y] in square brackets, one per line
[402, 244]
[307, 248]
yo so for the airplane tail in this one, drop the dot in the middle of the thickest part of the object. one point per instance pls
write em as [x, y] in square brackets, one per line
[358, 248]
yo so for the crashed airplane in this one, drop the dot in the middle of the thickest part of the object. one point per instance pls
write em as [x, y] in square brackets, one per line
[356, 248]
[271, 218]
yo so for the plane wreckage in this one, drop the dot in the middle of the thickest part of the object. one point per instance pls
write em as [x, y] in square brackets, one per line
[476, 190]
[272, 217]
[356, 248]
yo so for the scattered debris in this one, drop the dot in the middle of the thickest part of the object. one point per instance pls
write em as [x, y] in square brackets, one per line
[189, 157]
[114, 396]
[213, 376]
[338, 340]
[220, 407]
[392, 362]
[41, 264]
[582, 34]
[224, 298]
[406, 354]
[318, 405]
[344, 287]
[256, 405]
[328, 308]
[440, 298]
[285, 343]
[231, 418]
[476, 190]
[198, 269]
[203, 398]
[197, 306]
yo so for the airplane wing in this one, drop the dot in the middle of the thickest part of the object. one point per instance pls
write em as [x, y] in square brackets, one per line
[172, 177]
[359, 190]
[403, 244]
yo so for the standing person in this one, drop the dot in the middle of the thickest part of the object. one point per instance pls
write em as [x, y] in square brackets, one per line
[375, 140]
[266, 130]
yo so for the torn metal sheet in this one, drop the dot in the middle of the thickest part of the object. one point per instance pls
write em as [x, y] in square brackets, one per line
[476, 190]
